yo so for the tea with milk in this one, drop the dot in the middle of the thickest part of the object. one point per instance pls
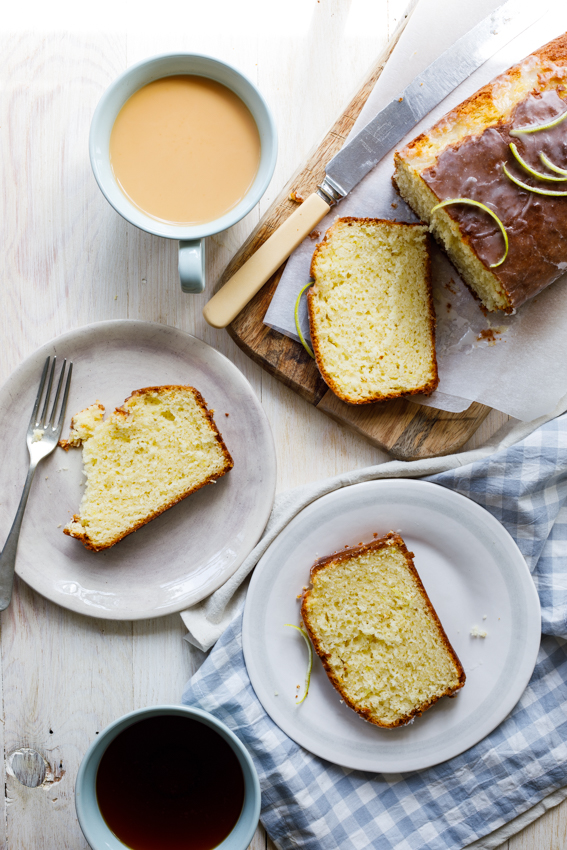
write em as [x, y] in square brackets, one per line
[185, 149]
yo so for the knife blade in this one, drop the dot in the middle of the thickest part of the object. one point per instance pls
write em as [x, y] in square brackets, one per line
[360, 154]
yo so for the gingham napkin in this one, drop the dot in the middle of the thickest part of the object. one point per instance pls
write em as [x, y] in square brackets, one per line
[480, 797]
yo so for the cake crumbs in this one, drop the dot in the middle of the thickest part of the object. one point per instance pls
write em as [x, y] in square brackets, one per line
[227, 414]
[477, 632]
[297, 199]
[315, 234]
[394, 205]
[489, 334]
[60, 524]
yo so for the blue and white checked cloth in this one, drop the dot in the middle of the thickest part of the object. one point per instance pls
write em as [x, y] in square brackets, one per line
[310, 803]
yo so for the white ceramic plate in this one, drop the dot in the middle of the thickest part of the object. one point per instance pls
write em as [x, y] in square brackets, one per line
[470, 567]
[191, 549]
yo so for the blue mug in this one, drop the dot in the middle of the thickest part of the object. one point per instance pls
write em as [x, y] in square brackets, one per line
[94, 827]
[191, 238]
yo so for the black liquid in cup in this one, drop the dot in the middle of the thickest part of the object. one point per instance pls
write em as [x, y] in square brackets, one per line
[170, 783]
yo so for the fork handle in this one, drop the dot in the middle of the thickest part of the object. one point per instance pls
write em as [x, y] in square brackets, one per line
[8, 556]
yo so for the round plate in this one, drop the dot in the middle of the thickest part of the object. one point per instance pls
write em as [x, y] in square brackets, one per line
[471, 569]
[191, 549]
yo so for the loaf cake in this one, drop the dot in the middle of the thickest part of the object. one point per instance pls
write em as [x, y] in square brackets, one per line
[151, 453]
[466, 155]
[377, 634]
[371, 314]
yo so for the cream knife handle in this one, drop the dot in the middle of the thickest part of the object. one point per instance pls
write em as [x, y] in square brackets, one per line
[227, 303]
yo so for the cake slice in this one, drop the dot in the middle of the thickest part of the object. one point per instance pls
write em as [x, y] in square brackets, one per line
[377, 633]
[151, 453]
[371, 314]
[465, 156]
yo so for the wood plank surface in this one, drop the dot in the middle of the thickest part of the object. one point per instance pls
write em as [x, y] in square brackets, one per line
[68, 260]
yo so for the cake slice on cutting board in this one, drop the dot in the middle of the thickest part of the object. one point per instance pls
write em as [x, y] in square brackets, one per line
[371, 314]
[380, 640]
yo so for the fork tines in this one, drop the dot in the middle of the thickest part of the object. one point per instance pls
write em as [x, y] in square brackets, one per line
[43, 420]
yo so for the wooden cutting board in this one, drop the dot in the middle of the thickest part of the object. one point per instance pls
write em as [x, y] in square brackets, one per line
[405, 429]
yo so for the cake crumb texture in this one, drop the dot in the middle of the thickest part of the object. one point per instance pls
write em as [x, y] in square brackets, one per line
[370, 310]
[377, 633]
[151, 453]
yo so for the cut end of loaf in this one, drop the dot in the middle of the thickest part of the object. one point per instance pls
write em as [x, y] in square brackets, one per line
[462, 156]
[377, 633]
[370, 310]
[447, 232]
[155, 450]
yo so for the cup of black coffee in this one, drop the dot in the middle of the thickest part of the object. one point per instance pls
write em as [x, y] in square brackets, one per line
[169, 777]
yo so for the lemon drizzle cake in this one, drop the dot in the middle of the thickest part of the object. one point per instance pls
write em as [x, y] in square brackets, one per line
[377, 633]
[371, 314]
[466, 155]
[151, 453]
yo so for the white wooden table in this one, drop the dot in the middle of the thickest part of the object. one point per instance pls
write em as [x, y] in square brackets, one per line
[68, 259]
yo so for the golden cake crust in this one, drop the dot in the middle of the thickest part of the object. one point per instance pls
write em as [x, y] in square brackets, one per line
[483, 108]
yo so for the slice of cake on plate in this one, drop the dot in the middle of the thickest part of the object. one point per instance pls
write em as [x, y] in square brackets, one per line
[151, 453]
[379, 638]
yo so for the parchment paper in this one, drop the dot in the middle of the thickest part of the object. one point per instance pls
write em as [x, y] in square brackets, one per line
[519, 367]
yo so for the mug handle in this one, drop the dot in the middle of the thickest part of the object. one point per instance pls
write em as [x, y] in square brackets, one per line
[192, 265]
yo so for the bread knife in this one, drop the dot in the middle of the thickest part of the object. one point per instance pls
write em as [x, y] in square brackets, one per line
[366, 149]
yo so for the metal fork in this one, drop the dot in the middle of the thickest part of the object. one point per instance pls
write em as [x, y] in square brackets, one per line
[42, 437]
